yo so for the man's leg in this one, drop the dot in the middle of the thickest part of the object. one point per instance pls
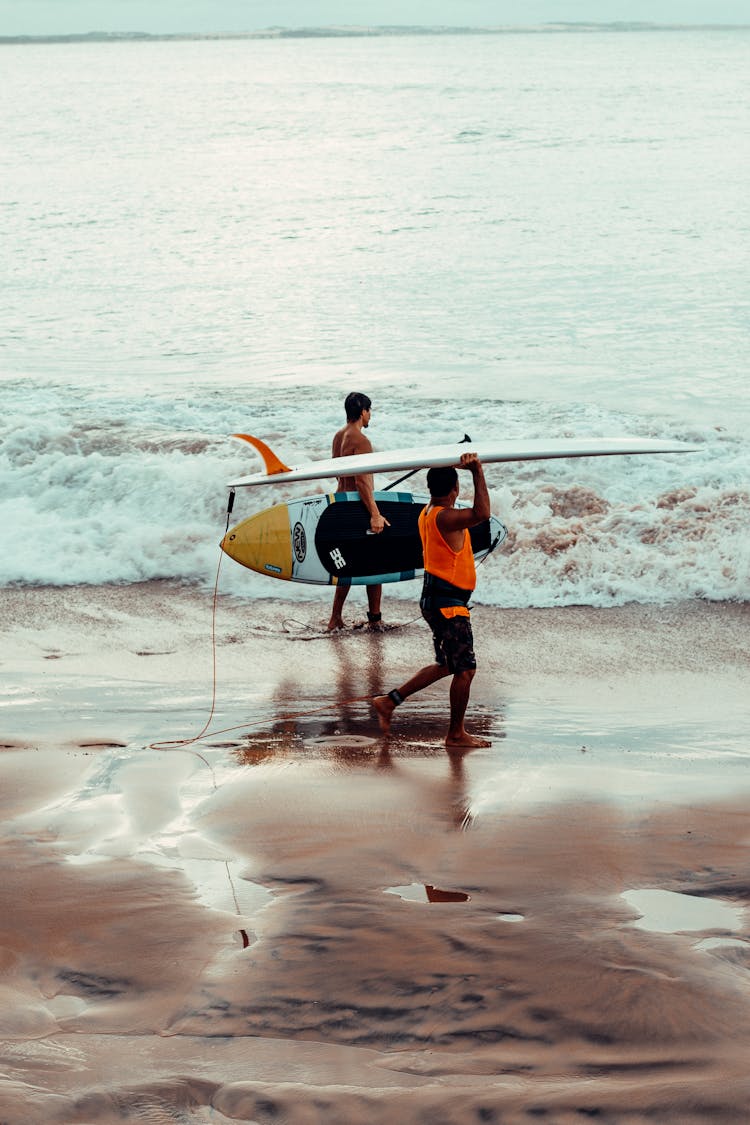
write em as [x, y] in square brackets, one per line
[337, 621]
[458, 643]
[385, 705]
[374, 594]
[458, 737]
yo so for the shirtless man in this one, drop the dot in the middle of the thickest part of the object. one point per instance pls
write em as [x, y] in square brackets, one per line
[351, 440]
[449, 579]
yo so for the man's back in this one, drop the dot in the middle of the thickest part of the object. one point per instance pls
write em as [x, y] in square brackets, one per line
[348, 442]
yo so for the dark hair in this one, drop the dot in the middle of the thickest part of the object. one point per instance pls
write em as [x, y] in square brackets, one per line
[354, 404]
[441, 481]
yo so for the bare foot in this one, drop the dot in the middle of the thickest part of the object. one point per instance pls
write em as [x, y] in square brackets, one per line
[465, 741]
[335, 624]
[384, 708]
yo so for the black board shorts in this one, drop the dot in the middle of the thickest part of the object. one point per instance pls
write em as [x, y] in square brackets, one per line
[453, 640]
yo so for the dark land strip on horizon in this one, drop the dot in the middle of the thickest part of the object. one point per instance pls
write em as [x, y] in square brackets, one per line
[354, 32]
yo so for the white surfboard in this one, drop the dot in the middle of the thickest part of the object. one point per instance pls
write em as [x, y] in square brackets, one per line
[399, 460]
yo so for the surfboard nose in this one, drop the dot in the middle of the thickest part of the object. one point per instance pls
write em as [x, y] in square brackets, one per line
[262, 543]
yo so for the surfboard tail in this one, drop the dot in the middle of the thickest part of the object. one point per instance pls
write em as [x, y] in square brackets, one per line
[272, 463]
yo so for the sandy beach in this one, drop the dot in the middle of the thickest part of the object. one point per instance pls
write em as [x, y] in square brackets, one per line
[294, 919]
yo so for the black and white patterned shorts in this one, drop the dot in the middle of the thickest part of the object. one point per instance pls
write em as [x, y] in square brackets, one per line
[453, 640]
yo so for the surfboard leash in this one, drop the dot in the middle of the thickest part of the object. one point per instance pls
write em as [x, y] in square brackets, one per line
[181, 743]
[185, 743]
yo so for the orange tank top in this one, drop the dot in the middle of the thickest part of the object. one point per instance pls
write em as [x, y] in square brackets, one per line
[456, 567]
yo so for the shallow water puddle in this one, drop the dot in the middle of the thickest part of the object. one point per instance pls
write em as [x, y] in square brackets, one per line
[425, 892]
[707, 944]
[667, 912]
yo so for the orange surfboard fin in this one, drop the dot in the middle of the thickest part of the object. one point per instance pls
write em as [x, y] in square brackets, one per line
[272, 463]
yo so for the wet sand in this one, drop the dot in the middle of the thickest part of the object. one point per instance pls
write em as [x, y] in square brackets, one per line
[296, 920]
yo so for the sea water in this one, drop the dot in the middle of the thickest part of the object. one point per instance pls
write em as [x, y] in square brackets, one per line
[528, 235]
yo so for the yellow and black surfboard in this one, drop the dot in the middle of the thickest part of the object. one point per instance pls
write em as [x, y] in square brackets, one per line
[325, 540]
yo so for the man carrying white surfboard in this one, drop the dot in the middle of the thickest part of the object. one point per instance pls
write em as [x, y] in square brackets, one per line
[351, 441]
[449, 580]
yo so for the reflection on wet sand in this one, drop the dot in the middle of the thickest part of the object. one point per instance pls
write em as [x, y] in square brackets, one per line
[434, 894]
[519, 972]
[425, 892]
[573, 974]
[574, 989]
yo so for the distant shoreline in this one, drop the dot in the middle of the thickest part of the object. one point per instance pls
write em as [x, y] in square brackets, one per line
[346, 32]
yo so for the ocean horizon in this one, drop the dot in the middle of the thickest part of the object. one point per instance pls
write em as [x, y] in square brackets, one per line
[374, 30]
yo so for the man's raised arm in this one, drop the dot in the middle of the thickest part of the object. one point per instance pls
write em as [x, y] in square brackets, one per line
[454, 519]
